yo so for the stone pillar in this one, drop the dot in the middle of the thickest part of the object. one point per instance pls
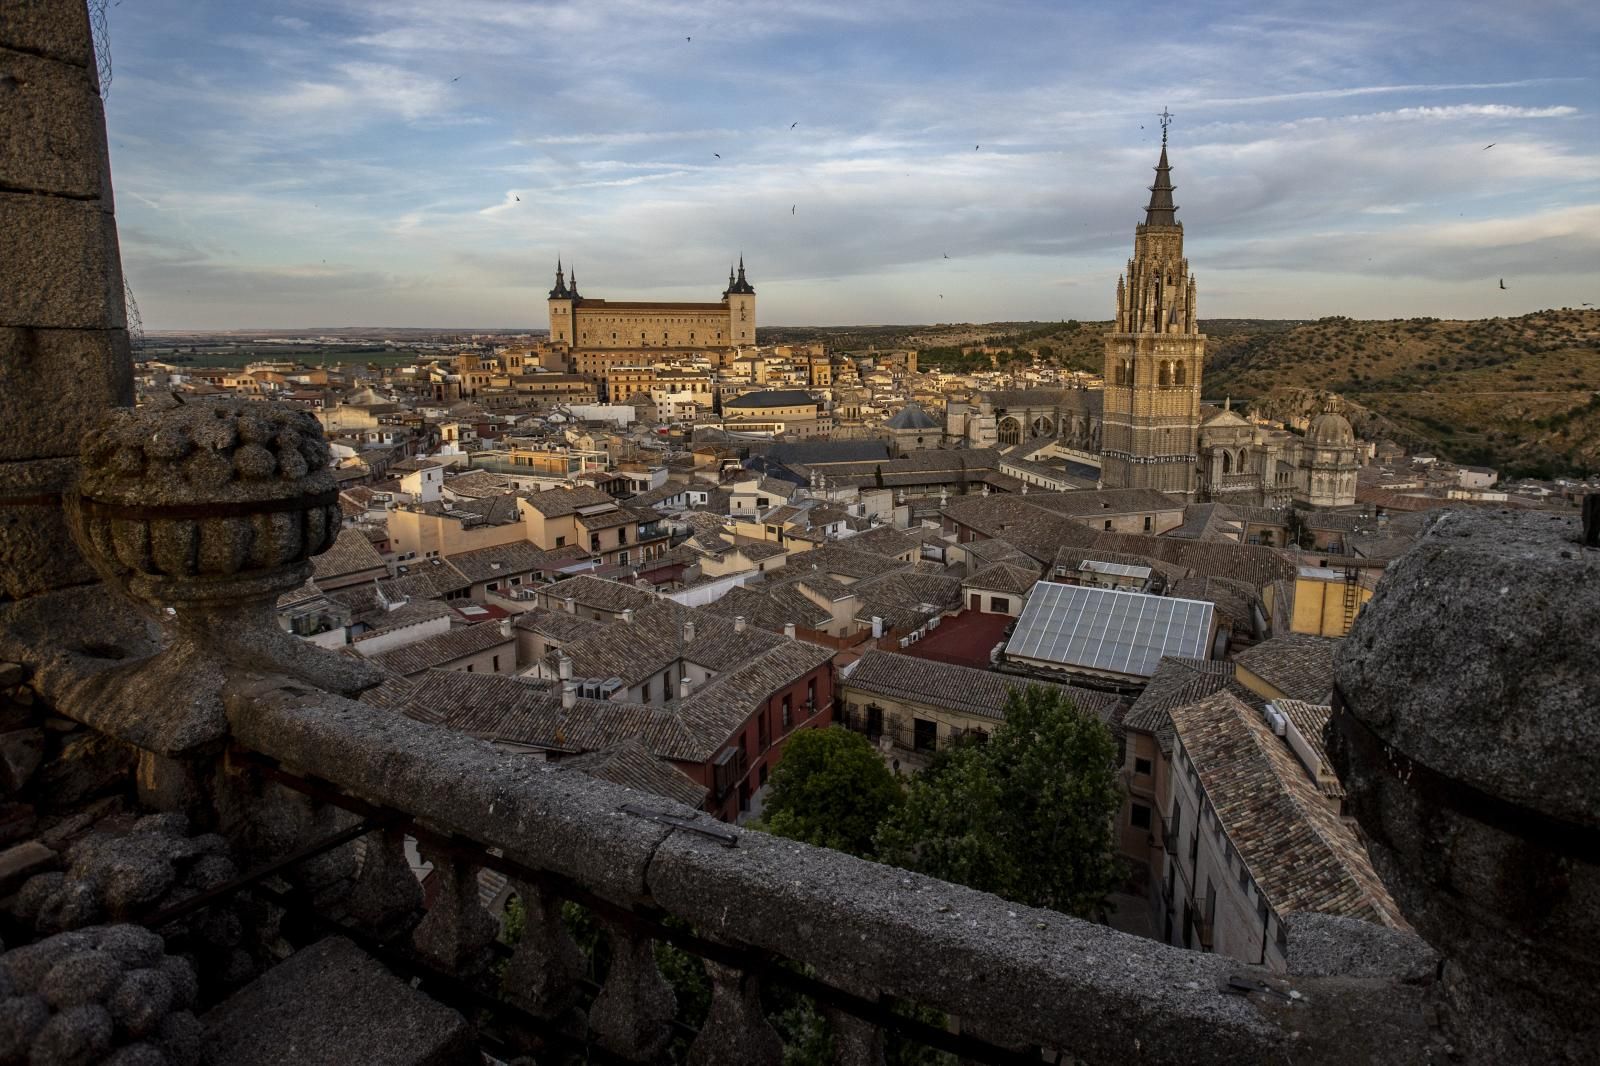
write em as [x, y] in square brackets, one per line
[64, 353]
[1465, 735]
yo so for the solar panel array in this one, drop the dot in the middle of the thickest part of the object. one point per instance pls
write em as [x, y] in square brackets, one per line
[1107, 630]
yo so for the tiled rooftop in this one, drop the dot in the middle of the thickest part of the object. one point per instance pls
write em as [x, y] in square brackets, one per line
[958, 688]
[1296, 664]
[1295, 846]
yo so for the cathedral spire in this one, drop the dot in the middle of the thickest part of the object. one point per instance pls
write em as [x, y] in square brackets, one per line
[1160, 211]
[573, 288]
[560, 292]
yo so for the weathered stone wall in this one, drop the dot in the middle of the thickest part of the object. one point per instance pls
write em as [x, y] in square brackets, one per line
[1466, 744]
[64, 352]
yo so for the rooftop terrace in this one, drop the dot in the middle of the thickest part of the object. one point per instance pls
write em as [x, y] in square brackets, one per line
[271, 902]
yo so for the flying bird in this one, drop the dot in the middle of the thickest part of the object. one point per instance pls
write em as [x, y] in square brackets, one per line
[688, 38]
[717, 154]
[516, 197]
[976, 147]
[455, 79]
[1488, 146]
[791, 208]
[1502, 283]
[792, 125]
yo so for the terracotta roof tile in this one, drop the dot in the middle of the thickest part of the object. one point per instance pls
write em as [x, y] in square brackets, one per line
[1303, 857]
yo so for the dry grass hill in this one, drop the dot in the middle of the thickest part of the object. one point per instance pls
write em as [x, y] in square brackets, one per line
[1519, 394]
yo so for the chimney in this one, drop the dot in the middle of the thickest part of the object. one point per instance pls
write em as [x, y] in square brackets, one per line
[505, 627]
[569, 694]
[788, 630]
[738, 623]
[688, 631]
[627, 615]
[563, 666]
[570, 604]
[684, 685]
[877, 627]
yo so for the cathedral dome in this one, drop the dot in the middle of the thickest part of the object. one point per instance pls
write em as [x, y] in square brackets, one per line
[1331, 428]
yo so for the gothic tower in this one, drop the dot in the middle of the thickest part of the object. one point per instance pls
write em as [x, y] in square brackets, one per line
[562, 300]
[741, 298]
[1154, 356]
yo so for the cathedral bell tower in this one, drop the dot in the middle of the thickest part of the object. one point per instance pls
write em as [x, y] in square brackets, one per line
[1155, 353]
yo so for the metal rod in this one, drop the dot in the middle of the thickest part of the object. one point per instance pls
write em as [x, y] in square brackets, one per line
[188, 906]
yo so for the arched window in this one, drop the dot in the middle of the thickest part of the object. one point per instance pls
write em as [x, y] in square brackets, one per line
[1227, 462]
[1180, 374]
[1165, 373]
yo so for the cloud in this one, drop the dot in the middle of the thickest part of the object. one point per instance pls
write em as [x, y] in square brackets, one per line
[394, 139]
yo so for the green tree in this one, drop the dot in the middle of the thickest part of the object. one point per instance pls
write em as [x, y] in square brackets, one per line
[1026, 815]
[831, 789]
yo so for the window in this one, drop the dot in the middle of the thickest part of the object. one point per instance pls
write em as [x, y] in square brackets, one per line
[811, 696]
[1139, 816]
[492, 586]
[1108, 523]
[622, 534]
[469, 668]
[999, 605]
[594, 542]
[977, 602]
[1147, 523]
[645, 697]
[497, 664]
[763, 741]
[924, 734]
[786, 713]
[762, 773]
[666, 684]
[1141, 766]
[622, 558]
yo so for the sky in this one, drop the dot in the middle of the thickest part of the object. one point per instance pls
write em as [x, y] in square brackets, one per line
[425, 162]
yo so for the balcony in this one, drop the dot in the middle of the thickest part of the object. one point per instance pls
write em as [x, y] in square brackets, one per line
[141, 661]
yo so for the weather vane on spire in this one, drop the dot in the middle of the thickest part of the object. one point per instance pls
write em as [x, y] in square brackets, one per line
[1166, 120]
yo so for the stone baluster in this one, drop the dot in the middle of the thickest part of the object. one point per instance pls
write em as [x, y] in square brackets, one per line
[457, 931]
[632, 1015]
[385, 898]
[736, 1029]
[856, 1042]
[542, 977]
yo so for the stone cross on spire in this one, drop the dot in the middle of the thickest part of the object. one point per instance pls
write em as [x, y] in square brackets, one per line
[1166, 120]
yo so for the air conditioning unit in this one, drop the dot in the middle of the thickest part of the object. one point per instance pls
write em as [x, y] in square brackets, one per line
[933, 623]
[610, 687]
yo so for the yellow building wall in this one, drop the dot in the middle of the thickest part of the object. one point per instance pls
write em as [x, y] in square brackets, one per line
[411, 532]
[1319, 607]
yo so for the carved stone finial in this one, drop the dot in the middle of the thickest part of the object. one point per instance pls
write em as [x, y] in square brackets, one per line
[207, 512]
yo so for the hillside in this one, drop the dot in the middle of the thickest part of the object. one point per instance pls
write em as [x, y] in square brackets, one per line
[1515, 393]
